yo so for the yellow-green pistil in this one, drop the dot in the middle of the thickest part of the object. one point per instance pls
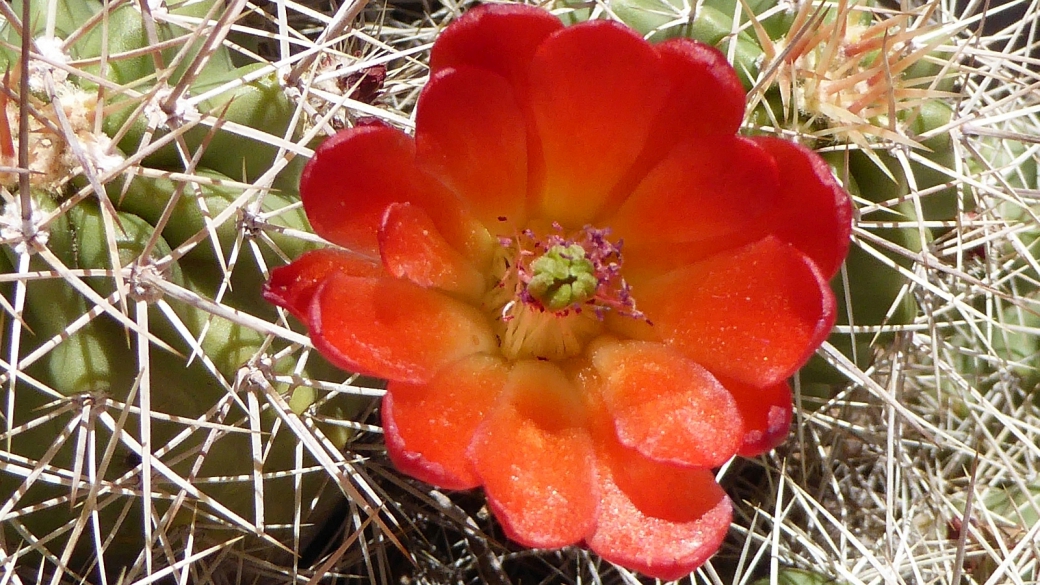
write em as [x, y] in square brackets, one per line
[563, 277]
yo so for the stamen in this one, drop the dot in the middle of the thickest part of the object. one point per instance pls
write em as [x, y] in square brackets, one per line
[554, 289]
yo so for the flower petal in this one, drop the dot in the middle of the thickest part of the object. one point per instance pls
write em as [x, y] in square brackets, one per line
[706, 93]
[470, 134]
[500, 38]
[412, 248]
[766, 413]
[536, 459]
[667, 407]
[754, 314]
[661, 520]
[815, 213]
[705, 96]
[596, 88]
[292, 286]
[393, 329]
[428, 427]
[357, 173]
[704, 196]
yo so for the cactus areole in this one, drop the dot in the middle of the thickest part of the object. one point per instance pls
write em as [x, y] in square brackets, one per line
[585, 289]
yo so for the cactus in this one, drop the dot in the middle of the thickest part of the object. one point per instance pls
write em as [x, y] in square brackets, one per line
[148, 390]
[160, 420]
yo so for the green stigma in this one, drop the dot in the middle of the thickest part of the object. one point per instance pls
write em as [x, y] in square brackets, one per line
[562, 277]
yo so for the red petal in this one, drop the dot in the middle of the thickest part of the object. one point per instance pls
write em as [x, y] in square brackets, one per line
[766, 413]
[596, 88]
[292, 286]
[706, 94]
[357, 173]
[393, 329]
[470, 134]
[428, 427]
[754, 314]
[815, 213]
[704, 195]
[500, 38]
[412, 248]
[658, 519]
[536, 459]
[667, 407]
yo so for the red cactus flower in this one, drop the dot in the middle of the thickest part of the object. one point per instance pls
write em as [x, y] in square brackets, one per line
[590, 387]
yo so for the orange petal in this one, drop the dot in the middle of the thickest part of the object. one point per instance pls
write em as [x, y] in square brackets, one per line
[500, 38]
[536, 459]
[596, 88]
[661, 520]
[704, 195]
[360, 171]
[470, 134]
[412, 248]
[815, 213]
[393, 329]
[428, 427]
[292, 286]
[754, 314]
[667, 407]
[766, 413]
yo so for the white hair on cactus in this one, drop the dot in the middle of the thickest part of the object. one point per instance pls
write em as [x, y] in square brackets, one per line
[51, 49]
[23, 236]
[159, 118]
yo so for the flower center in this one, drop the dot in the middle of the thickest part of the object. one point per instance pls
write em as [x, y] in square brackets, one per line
[552, 290]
